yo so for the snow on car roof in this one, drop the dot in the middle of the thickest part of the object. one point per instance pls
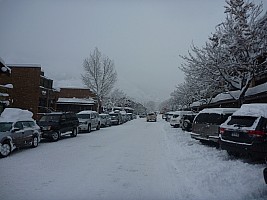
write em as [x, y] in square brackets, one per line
[15, 114]
[219, 110]
[255, 109]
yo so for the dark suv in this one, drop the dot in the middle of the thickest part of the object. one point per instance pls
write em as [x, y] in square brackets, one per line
[57, 124]
[245, 132]
[187, 121]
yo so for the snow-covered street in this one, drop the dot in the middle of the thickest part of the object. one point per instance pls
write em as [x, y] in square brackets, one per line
[136, 160]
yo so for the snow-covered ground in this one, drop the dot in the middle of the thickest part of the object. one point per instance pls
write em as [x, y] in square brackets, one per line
[136, 160]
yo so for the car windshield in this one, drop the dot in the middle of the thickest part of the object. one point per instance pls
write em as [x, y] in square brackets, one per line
[50, 118]
[242, 121]
[5, 126]
[83, 116]
[102, 116]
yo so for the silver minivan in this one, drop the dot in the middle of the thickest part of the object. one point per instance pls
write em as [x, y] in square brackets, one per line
[88, 120]
[206, 124]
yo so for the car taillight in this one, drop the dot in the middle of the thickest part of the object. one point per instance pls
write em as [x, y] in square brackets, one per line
[257, 133]
[222, 130]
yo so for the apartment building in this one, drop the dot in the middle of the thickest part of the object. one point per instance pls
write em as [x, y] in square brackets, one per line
[31, 89]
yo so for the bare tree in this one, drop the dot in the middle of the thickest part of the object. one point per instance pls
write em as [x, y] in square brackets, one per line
[100, 75]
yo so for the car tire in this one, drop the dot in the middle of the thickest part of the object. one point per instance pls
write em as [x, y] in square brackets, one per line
[89, 128]
[5, 149]
[185, 125]
[74, 132]
[98, 127]
[35, 142]
[55, 136]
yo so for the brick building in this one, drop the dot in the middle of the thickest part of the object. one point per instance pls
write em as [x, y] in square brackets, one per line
[76, 99]
[31, 89]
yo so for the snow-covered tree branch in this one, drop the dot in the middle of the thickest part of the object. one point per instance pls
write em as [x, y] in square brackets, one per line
[100, 75]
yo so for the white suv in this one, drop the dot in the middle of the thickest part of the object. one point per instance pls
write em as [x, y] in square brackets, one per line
[175, 120]
[88, 120]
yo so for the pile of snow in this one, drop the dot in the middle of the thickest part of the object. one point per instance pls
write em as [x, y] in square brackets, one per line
[15, 114]
[255, 109]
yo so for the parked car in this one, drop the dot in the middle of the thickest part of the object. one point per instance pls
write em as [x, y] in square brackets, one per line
[206, 123]
[142, 115]
[105, 119]
[17, 129]
[88, 120]
[130, 116]
[116, 118]
[245, 132]
[169, 115]
[123, 116]
[187, 121]
[175, 119]
[151, 117]
[57, 124]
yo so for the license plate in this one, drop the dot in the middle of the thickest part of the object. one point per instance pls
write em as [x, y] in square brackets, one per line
[235, 134]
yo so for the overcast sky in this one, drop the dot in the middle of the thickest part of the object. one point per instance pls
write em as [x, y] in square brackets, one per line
[144, 38]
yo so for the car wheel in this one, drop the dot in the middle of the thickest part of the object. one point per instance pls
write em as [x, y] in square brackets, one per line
[55, 136]
[185, 124]
[5, 149]
[74, 132]
[35, 142]
[89, 128]
[98, 127]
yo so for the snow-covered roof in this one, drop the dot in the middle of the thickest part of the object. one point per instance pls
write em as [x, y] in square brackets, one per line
[219, 110]
[254, 109]
[3, 66]
[86, 112]
[89, 101]
[15, 114]
[225, 96]
[24, 65]
[233, 95]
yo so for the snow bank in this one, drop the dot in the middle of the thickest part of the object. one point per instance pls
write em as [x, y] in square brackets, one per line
[15, 114]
